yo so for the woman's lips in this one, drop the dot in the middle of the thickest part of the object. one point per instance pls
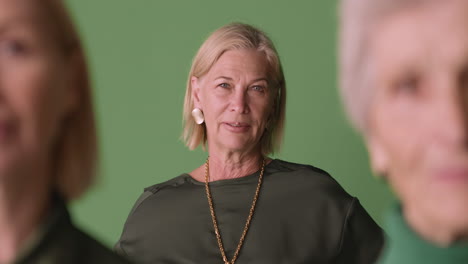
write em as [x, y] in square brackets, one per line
[8, 126]
[453, 175]
[6, 129]
[237, 127]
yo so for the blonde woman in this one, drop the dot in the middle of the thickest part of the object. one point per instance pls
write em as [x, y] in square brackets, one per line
[240, 205]
[47, 136]
[404, 76]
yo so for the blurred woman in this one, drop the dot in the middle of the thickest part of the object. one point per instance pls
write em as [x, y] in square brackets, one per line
[241, 204]
[47, 136]
[404, 77]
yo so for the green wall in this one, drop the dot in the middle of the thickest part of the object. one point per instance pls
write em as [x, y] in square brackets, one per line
[140, 52]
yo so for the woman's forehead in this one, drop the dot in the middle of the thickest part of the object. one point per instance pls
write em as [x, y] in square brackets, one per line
[41, 18]
[442, 29]
[244, 62]
[22, 12]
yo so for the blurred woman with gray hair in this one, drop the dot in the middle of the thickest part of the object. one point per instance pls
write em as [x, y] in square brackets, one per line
[404, 81]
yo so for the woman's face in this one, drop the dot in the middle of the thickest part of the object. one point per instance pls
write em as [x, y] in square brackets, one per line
[418, 119]
[235, 97]
[35, 86]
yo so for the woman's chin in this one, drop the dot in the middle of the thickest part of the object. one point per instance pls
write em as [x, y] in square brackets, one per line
[239, 145]
[454, 212]
[447, 213]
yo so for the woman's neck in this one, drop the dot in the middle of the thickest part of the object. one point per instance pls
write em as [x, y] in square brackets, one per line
[229, 165]
[24, 202]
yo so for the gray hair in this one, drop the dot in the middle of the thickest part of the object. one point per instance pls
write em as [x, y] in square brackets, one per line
[358, 19]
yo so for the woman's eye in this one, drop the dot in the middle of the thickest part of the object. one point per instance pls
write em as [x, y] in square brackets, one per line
[224, 85]
[409, 86]
[12, 48]
[258, 88]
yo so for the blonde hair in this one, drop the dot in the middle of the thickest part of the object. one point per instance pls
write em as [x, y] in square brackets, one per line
[237, 36]
[358, 19]
[76, 150]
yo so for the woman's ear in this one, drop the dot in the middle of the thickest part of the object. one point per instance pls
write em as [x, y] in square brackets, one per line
[378, 155]
[195, 83]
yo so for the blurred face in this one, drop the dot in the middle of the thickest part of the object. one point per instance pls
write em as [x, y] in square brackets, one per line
[235, 97]
[34, 77]
[418, 121]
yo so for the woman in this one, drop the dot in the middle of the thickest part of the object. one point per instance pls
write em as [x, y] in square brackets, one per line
[47, 136]
[235, 108]
[404, 68]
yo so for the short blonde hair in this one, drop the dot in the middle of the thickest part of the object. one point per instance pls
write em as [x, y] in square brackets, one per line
[76, 150]
[358, 19]
[237, 36]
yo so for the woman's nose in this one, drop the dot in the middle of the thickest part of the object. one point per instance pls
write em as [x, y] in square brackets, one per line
[453, 120]
[239, 102]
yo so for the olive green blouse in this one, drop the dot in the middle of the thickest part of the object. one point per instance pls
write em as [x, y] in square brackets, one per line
[302, 216]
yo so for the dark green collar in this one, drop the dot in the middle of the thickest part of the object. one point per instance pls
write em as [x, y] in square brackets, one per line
[55, 220]
[403, 245]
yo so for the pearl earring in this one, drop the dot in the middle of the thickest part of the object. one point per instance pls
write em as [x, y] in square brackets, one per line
[198, 116]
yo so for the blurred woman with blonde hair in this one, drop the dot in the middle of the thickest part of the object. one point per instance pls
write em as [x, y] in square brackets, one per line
[47, 136]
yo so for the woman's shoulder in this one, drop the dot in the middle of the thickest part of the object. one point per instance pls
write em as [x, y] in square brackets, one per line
[171, 183]
[307, 178]
[302, 172]
[150, 191]
[288, 166]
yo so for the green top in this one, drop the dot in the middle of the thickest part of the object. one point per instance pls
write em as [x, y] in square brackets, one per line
[302, 216]
[405, 246]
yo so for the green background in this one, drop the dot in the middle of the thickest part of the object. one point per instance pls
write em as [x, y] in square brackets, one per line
[140, 53]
